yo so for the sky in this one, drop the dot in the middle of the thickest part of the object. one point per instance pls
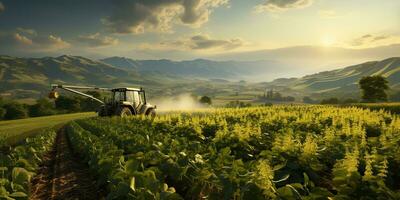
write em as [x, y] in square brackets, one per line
[190, 29]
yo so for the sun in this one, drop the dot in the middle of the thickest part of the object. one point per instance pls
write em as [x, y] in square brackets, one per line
[328, 40]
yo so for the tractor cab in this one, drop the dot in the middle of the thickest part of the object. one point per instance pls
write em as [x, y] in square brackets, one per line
[129, 96]
[128, 101]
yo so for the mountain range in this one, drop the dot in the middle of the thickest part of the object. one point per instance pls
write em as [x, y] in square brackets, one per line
[204, 69]
[31, 77]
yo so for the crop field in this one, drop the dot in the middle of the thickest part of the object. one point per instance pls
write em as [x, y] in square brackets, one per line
[275, 152]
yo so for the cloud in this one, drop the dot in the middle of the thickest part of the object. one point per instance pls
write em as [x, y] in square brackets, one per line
[203, 42]
[371, 40]
[50, 43]
[2, 8]
[282, 5]
[97, 40]
[23, 41]
[27, 31]
[139, 16]
[328, 14]
[381, 37]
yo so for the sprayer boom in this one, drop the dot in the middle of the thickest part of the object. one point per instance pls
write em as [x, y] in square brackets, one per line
[73, 89]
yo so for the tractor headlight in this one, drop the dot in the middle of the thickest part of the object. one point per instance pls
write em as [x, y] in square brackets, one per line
[53, 95]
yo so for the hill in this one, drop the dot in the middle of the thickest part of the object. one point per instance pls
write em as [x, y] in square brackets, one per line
[29, 76]
[345, 80]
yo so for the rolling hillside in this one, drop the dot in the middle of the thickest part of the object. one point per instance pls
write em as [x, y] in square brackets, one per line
[27, 77]
[346, 79]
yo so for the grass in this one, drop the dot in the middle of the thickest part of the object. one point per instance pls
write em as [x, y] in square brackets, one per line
[13, 131]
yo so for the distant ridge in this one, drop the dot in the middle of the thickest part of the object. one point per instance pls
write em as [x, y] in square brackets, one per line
[30, 77]
[202, 68]
[346, 79]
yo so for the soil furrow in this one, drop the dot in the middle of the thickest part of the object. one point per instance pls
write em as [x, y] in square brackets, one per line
[63, 175]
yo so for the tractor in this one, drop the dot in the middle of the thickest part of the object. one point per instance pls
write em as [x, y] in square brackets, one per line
[123, 102]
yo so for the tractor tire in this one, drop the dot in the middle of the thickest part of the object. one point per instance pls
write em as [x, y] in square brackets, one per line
[123, 112]
[151, 113]
[102, 112]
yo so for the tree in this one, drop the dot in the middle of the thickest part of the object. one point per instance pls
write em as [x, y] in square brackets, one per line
[2, 113]
[87, 104]
[2, 110]
[68, 103]
[42, 107]
[308, 99]
[277, 96]
[15, 111]
[374, 88]
[205, 100]
[288, 98]
[237, 104]
[349, 101]
[330, 101]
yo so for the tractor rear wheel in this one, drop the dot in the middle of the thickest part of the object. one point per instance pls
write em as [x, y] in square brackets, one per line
[124, 112]
[151, 113]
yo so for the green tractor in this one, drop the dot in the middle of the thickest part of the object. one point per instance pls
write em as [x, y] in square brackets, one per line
[123, 102]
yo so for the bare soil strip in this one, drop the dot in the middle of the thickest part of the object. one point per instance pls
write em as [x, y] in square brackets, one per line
[63, 175]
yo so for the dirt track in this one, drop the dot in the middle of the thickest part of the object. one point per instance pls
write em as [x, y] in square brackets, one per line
[63, 175]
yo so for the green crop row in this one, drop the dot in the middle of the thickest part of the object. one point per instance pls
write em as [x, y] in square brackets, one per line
[20, 163]
[287, 152]
[116, 172]
[390, 107]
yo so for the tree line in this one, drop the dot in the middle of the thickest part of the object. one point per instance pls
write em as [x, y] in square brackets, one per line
[10, 109]
[272, 95]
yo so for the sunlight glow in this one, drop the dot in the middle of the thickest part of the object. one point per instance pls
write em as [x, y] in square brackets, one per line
[328, 40]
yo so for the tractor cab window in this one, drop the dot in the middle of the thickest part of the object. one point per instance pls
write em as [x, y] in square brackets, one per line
[133, 97]
[119, 96]
[136, 98]
[142, 97]
[129, 96]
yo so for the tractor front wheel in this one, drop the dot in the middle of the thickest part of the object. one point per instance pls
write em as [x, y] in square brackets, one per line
[124, 112]
[102, 112]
